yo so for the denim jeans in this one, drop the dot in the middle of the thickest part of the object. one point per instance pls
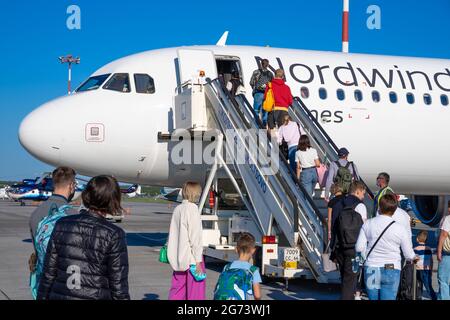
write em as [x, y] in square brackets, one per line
[381, 283]
[425, 278]
[291, 155]
[258, 99]
[444, 278]
[308, 178]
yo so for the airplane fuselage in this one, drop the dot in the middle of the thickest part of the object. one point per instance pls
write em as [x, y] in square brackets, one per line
[388, 111]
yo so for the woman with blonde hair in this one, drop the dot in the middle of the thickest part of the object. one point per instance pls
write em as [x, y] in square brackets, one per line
[185, 247]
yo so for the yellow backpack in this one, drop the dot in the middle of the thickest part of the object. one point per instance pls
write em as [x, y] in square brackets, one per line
[269, 102]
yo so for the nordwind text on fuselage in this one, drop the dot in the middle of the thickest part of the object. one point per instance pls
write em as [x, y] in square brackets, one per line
[407, 79]
[352, 75]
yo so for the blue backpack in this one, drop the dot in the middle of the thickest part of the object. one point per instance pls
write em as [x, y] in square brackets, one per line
[43, 234]
[234, 284]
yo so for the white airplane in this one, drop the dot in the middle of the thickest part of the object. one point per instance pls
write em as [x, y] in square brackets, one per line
[391, 112]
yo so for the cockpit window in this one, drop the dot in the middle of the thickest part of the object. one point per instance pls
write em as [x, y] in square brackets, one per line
[93, 83]
[144, 83]
[118, 82]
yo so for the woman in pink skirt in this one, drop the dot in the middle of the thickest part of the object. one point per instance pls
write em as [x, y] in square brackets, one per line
[185, 247]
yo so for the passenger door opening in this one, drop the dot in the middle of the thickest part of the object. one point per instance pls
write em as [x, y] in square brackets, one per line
[226, 65]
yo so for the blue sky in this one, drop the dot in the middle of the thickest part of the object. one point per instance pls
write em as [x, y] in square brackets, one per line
[34, 33]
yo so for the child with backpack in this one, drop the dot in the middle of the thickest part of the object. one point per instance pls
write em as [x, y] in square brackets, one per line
[240, 280]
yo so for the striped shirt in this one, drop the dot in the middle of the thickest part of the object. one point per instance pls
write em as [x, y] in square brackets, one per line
[426, 257]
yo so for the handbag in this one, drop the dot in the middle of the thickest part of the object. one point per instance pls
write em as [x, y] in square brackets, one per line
[32, 262]
[163, 255]
[322, 174]
[269, 101]
[328, 264]
[284, 149]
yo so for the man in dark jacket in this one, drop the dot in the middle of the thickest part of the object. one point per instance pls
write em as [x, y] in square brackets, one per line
[87, 256]
[258, 82]
[347, 227]
[283, 99]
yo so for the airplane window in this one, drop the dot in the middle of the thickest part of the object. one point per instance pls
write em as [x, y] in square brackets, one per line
[444, 100]
[375, 96]
[410, 98]
[118, 82]
[427, 98]
[393, 97]
[323, 93]
[144, 83]
[93, 83]
[304, 92]
[358, 95]
[340, 94]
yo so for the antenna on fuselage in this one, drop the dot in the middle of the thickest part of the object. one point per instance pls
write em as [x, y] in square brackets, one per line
[223, 39]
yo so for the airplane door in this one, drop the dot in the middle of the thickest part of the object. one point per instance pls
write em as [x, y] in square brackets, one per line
[192, 61]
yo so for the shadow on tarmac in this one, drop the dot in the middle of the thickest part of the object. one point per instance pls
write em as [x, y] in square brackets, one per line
[156, 239]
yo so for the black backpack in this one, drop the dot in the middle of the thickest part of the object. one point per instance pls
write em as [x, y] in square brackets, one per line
[407, 284]
[265, 76]
[348, 226]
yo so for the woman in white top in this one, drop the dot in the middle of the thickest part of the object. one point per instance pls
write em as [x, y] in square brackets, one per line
[185, 247]
[290, 132]
[307, 162]
[383, 265]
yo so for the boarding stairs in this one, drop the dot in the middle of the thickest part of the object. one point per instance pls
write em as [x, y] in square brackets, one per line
[275, 199]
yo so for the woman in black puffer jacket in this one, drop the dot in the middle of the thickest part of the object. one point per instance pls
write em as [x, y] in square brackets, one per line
[87, 255]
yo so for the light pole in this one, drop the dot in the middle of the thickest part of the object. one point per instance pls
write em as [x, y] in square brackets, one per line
[69, 59]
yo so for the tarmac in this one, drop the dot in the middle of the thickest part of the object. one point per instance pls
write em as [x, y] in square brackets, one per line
[146, 228]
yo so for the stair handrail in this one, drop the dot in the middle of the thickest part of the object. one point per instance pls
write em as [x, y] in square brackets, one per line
[280, 178]
[328, 138]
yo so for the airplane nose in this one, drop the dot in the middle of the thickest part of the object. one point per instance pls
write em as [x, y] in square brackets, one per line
[38, 134]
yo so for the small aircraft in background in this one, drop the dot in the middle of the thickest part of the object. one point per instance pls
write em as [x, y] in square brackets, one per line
[132, 191]
[39, 189]
[170, 194]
